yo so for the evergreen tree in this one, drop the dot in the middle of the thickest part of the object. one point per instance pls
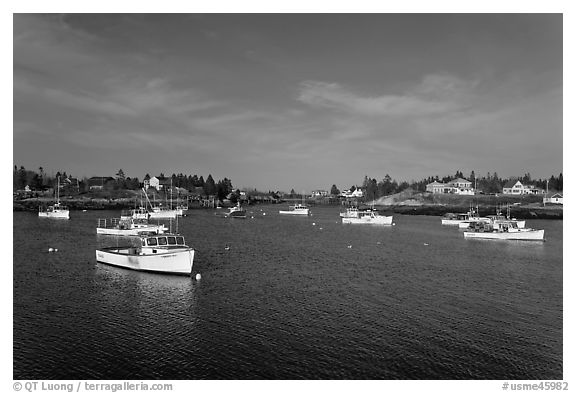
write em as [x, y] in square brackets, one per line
[210, 186]
[334, 190]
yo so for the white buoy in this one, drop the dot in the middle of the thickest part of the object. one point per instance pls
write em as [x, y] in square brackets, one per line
[50, 249]
[426, 244]
[313, 223]
[263, 214]
[198, 277]
[55, 250]
[227, 248]
[349, 246]
[378, 243]
[393, 223]
[252, 217]
[320, 228]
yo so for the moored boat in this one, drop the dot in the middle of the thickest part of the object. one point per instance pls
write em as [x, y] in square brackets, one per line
[167, 253]
[236, 212]
[127, 227]
[454, 219]
[139, 213]
[56, 210]
[503, 230]
[160, 212]
[297, 210]
[368, 217]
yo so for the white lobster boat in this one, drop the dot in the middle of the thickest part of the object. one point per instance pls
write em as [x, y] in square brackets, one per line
[167, 253]
[160, 212]
[236, 212]
[57, 210]
[454, 219]
[368, 217]
[297, 210]
[127, 227]
[139, 213]
[504, 230]
[493, 219]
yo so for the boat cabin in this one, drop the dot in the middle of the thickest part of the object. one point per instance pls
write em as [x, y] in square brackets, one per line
[495, 226]
[163, 241]
[55, 208]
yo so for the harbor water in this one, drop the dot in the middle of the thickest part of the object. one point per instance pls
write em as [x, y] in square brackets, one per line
[283, 297]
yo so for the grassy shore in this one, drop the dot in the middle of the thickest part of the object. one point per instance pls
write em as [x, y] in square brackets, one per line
[412, 203]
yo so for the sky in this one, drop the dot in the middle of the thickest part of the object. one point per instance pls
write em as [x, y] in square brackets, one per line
[289, 101]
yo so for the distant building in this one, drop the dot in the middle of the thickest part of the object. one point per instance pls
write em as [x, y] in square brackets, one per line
[458, 186]
[436, 187]
[70, 184]
[146, 181]
[515, 187]
[99, 182]
[357, 193]
[461, 187]
[160, 183]
[319, 193]
[556, 198]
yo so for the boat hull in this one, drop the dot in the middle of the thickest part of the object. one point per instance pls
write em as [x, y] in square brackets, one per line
[156, 229]
[167, 214]
[378, 220]
[301, 212]
[62, 215]
[171, 262]
[536, 234]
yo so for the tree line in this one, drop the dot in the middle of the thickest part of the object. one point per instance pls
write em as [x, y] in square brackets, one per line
[490, 183]
[41, 181]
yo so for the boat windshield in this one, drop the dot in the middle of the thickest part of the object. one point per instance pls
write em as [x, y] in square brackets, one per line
[165, 240]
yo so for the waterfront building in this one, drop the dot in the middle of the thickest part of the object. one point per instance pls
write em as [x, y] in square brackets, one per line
[556, 198]
[515, 187]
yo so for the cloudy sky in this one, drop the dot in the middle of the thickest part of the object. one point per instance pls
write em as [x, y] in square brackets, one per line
[298, 101]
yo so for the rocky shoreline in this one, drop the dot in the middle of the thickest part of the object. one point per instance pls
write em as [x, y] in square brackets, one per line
[527, 212]
[523, 212]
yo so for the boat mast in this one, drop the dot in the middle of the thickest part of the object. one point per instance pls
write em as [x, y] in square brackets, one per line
[58, 191]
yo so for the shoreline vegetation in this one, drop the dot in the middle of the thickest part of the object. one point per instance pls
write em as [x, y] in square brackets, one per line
[407, 202]
[33, 189]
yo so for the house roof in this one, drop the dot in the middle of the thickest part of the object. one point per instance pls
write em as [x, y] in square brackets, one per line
[435, 183]
[554, 195]
[459, 180]
[511, 183]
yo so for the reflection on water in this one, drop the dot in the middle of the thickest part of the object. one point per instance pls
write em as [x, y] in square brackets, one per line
[290, 297]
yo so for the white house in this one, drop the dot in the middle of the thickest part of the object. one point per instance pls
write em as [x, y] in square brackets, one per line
[461, 187]
[457, 186]
[556, 198]
[154, 182]
[357, 193]
[436, 187]
[515, 187]
[319, 193]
